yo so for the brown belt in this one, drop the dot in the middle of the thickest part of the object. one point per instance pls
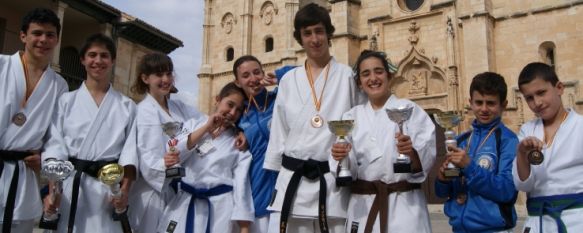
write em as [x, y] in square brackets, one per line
[381, 201]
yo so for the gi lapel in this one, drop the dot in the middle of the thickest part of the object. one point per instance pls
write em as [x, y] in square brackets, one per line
[104, 109]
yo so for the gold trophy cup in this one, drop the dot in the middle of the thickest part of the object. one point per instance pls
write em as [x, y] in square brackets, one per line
[342, 129]
[448, 120]
[172, 129]
[399, 115]
[111, 174]
[56, 171]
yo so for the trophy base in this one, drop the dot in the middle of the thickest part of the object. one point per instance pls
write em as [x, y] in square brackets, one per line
[175, 172]
[402, 167]
[452, 172]
[49, 224]
[343, 181]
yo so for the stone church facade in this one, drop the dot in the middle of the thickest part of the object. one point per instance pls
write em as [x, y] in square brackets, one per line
[438, 45]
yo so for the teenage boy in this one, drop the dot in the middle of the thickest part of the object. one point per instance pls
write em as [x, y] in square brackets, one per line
[306, 198]
[482, 200]
[554, 187]
[30, 90]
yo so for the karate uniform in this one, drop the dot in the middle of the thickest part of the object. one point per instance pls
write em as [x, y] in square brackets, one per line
[72, 136]
[374, 151]
[146, 201]
[222, 166]
[559, 173]
[293, 136]
[38, 110]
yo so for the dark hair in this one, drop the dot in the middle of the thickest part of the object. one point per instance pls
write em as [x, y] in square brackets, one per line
[98, 39]
[489, 83]
[150, 64]
[309, 15]
[229, 89]
[242, 60]
[365, 54]
[536, 70]
[40, 16]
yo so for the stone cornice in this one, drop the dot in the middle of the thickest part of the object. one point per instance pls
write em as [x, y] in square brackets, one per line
[442, 5]
[355, 2]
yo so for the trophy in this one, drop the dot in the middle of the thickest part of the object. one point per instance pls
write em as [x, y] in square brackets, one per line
[172, 129]
[342, 129]
[111, 174]
[56, 171]
[448, 120]
[536, 157]
[399, 115]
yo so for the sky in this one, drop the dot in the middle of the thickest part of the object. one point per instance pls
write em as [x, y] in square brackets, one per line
[182, 19]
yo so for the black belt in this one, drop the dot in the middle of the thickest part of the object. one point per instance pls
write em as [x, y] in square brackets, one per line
[310, 169]
[13, 156]
[82, 166]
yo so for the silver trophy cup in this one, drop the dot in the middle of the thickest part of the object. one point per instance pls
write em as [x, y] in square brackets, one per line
[399, 115]
[55, 171]
[342, 129]
[448, 120]
[172, 129]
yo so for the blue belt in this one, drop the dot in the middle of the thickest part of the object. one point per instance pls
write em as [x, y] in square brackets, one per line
[553, 206]
[201, 194]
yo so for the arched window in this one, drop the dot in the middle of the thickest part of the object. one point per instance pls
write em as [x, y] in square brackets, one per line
[268, 44]
[547, 53]
[230, 54]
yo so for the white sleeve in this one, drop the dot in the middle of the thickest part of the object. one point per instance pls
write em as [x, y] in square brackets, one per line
[55, 146]
[279, 129]
[243, 209]
[129, 153]
[422, 132]
[522, 185]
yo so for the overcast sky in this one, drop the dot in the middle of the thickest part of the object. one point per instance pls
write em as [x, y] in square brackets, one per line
[182, 19]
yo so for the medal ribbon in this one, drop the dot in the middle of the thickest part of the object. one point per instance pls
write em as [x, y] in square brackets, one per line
[252, 100]
[26, 75]
[317, 102]
[483, 140]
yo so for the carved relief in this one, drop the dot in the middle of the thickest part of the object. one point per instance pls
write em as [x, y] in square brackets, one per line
[268, 12]
[228, 22]
[414, 37]
[418, 77]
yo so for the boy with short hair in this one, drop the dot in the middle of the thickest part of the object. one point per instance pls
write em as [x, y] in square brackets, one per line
[30, 90]
[482, 200]
[306, 198]
[554, 187]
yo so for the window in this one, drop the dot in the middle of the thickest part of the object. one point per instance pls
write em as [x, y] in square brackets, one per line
[2, 29]
[268, 44]
[410, 5]
[547, 53]
[230, 54]
[71, 68]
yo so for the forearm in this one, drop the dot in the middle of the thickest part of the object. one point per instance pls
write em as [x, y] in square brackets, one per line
[194, 137]
[522, 166]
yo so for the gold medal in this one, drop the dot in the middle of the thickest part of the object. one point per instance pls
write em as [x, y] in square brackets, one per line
[461, 198]
[317, 121]
[19, 119]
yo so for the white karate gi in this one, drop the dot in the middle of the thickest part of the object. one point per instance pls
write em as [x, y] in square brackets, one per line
[374, 150]
[146, 199]
[223, 165]
[293, 135]
[560, 172]
[114, 139]
[38, 110]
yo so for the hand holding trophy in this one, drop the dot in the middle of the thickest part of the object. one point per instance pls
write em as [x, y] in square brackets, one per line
[172, 129]
[399, 115]
[342, 129]
[111, 175]
[448, 120]
[56, 171]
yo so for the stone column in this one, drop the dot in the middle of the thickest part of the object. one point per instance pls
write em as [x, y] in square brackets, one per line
[291, 7]
[246, 33]
[59, 8]
[205, 72]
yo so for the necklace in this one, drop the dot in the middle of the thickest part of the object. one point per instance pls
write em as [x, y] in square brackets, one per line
[317, 120]
[550, 141]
